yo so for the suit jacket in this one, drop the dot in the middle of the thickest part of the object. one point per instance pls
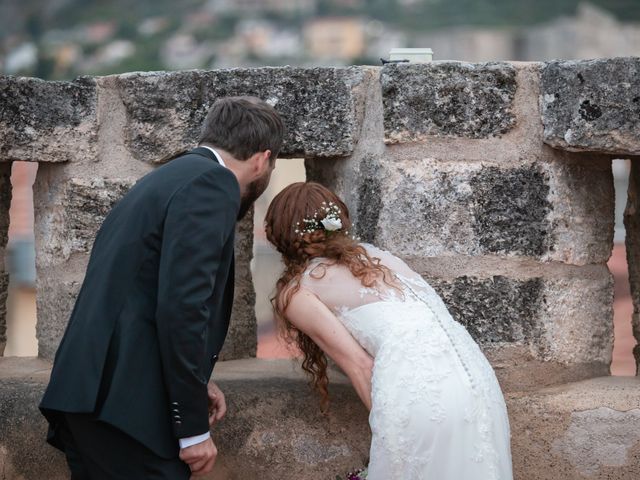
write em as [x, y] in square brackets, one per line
[154, 308]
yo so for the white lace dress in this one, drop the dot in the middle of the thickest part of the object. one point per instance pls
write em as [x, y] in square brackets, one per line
[437, 409]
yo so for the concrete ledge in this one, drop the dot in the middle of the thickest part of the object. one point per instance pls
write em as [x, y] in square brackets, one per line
[584, 430]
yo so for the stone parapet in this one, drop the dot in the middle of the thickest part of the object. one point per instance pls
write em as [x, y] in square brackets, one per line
[513, 234]
[274, 430]
[592, 105]
[320, 107]
[47, 121]
[452, 99]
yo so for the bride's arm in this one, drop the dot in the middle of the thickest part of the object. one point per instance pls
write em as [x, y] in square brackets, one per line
[312, 317]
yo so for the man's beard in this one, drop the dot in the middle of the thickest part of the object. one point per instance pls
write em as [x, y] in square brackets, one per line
[254, 190]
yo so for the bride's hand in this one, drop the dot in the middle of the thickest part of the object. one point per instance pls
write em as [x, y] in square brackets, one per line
[217, 403]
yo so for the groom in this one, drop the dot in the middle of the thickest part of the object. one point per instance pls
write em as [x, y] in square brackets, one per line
[129, 396]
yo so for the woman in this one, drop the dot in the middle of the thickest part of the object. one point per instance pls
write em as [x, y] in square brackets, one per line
[436, 409]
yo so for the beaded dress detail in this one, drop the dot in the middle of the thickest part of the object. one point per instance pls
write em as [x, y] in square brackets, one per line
[437, 408]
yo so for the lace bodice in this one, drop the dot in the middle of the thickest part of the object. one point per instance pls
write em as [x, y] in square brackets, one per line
[425, 364]
[335, 285]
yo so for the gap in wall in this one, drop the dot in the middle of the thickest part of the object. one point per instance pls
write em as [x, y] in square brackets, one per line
[21, 303]
[622, 362]
[266, 264]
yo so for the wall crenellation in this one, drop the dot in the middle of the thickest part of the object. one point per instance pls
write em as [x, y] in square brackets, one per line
[492, 180]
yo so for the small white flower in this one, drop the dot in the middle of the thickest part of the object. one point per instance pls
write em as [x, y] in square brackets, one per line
[331, 224]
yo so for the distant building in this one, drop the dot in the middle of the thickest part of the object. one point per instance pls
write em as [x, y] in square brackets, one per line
[592, 33]
[182, 51]
[264, 39]
[340, 38]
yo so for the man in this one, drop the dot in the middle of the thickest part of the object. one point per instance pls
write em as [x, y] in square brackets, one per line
[129, 396]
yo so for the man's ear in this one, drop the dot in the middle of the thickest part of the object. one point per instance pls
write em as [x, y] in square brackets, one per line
[263, 162]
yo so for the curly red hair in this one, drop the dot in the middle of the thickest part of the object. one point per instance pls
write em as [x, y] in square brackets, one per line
[293, 204]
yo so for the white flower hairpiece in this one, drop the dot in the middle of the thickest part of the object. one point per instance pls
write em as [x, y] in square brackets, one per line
[327, 218]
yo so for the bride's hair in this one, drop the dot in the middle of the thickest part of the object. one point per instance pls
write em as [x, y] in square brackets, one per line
[284, 225]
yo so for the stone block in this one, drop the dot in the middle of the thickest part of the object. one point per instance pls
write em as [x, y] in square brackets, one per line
[5, 203]
[320, 107]
[551, 211]
[242, 339]
[579, 431]
[536, 328]
[69, 212]
[632, 241]
[56, 291]
[47, 121]
[592, 105]
[453, 99]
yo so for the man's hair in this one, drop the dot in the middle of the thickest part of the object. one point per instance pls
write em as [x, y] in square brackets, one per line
[243, 126]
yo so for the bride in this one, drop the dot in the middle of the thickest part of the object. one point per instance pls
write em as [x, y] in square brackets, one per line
[436, 409]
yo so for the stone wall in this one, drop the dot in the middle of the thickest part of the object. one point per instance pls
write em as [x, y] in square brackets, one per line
[97, 136]
[453, 174]
[492, 180]
[5, 201]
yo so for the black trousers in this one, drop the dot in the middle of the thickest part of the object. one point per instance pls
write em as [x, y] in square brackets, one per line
[97, 451]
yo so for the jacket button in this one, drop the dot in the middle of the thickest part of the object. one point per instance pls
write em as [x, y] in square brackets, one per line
[214, 358]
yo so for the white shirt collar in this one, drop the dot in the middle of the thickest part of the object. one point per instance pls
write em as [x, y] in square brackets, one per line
[218, 156]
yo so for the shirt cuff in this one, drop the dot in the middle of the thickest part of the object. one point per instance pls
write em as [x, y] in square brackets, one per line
[190, 441]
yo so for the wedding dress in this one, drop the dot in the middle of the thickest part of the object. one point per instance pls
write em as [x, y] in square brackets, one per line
[437, 409]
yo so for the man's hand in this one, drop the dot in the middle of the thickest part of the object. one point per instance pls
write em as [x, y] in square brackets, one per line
[200, 457]
[217, 403]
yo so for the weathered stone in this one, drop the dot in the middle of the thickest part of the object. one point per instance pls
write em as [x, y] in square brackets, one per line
[24, 454]
[558, 211]
[5, 202]
[242, 339]
[319, 106]
[69, 213]
[585, 430]
[632, 225]
[536, 330]
[57, 289]
[47, 121]
[592, 105]
[447, 99]
[273, 429]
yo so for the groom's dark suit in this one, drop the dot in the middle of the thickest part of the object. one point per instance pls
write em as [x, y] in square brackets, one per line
[154, 308]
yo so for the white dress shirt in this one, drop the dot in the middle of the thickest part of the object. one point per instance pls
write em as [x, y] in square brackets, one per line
[190, 441]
